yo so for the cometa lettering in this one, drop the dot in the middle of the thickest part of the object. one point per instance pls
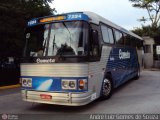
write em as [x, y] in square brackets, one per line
[45, 60]
[124, 55]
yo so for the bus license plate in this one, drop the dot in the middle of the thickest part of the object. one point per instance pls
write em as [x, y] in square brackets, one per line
[45, 97]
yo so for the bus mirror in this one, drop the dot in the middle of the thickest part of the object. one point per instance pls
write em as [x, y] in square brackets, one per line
[95, 37]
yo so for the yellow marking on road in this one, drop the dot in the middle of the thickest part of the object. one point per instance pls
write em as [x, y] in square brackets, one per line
[10, 86]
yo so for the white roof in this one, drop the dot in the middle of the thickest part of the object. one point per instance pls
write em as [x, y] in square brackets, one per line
[95, 18]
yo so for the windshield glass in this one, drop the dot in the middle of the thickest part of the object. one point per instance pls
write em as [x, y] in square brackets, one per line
[63, 38]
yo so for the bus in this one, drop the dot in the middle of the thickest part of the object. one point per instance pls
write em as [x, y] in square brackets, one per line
[75, 58]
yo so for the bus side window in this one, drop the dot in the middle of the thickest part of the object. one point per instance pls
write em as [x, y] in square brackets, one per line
[133, 42]
[127, 40]
[118, 37]
[111, 38]
[107, 34]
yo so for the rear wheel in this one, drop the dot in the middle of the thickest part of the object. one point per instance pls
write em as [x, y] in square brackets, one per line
[107, 88]
[138, 74]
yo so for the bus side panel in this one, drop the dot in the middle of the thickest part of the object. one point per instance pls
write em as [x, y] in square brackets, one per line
[123, 64]
[97, 70]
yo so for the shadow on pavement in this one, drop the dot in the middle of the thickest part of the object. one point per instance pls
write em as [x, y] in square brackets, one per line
[63, 109]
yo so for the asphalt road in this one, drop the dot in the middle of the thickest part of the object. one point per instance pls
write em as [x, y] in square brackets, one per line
[134, 97]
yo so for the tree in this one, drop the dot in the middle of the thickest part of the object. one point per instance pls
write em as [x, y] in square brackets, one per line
[147, 31]
[153, 9]
[14, 15]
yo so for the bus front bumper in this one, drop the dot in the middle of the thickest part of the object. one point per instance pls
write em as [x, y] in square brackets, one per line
[70, 99]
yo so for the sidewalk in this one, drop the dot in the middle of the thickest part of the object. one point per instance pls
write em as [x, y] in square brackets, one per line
[9, 86]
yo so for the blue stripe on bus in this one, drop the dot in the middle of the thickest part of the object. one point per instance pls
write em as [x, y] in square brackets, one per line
[122, 67]
[51, 83]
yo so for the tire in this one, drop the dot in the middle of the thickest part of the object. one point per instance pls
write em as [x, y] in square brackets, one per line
[107, 88]
[138, 74]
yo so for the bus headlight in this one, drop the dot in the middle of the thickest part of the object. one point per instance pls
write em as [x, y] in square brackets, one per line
[68, 84]
[26, 82]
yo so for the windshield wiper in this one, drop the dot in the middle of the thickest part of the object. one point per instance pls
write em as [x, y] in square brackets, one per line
[44, 43]
[59, 51]
[54, 44]
[68, 32]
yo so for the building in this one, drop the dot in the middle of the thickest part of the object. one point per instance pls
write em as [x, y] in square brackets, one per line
[151, 57]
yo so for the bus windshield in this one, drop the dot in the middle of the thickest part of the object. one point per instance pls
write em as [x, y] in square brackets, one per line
[61, 38]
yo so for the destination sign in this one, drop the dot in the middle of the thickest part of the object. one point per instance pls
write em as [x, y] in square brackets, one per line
[64, 17]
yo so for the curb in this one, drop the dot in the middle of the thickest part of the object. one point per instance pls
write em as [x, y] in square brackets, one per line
[10, 86]
[151, 69]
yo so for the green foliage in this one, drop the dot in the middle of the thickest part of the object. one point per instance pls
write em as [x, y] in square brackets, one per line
[152, 7]
[14, 15]
[147, 31]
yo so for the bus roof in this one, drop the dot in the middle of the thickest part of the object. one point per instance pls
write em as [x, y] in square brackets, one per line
[95, 18]
[85, 15]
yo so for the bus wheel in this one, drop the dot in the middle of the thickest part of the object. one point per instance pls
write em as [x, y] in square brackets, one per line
[107, 88]
[138, 74]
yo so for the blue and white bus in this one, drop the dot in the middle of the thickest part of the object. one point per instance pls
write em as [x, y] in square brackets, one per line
[74, 58]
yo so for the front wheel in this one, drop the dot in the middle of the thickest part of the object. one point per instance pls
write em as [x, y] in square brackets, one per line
[107, 88]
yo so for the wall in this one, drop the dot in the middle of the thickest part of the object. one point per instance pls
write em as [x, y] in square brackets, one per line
[148, 52]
